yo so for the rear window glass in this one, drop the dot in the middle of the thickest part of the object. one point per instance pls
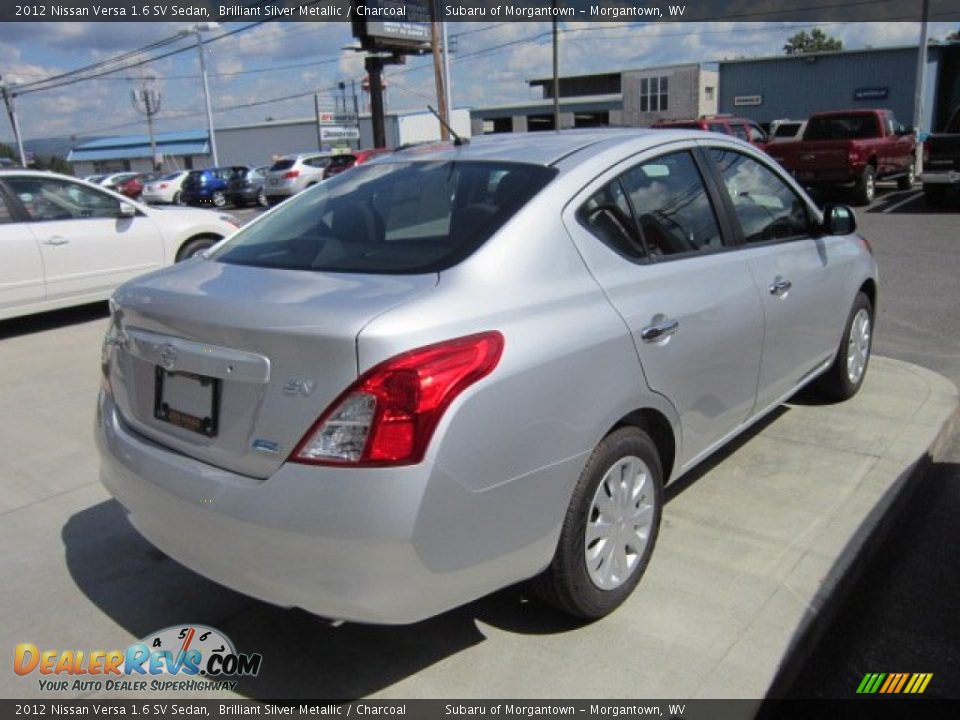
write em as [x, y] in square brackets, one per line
[395, 218]
[842, 127]
[787, 130]
[284, 164]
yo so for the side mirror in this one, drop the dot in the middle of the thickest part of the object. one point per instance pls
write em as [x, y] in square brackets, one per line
[126, 210]
[838, 220]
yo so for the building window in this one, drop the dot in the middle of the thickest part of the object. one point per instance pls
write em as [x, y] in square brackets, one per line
[708, 92]
[653, 94]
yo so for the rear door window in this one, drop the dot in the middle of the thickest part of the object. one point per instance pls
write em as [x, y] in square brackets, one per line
[672, 207]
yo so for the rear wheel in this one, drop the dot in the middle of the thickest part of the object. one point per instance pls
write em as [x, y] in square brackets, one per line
[934, 195]
[845, 376]
[262, 198]
[177, 200]
[866, 187]
[906, 182]
[218, 198]
[610, 528]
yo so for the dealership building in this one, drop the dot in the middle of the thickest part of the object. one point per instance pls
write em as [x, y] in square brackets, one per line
[762, 89]
[253, 144]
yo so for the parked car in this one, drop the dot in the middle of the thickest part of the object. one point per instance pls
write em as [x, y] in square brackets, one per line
[738, 127]
[293, 173]
[165, 189]
[786, 130]
[345, 161]
[851, 147]
[133, 187]
[249, 188]
[209, 187]
[69, 242]
[941, 162]
[111, 180]
[452, 369]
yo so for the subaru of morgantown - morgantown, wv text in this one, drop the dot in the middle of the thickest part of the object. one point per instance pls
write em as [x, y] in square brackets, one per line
[462, 366]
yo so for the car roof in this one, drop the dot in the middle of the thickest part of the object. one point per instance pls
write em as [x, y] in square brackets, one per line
[540, 148]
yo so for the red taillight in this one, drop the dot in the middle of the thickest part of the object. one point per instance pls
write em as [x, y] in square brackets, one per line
[163, 185]
[389, 414]
[290, 174]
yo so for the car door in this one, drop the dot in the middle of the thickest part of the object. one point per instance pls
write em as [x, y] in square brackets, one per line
[21, 274]
[652, 239]
[87, 246]
[800, 277]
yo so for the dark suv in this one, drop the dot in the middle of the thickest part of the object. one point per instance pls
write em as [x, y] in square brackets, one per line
[243, 190]
[209, 187]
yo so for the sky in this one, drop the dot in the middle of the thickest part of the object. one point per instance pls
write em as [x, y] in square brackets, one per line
[491, 65]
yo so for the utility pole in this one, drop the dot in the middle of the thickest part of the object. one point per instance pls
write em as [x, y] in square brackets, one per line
[447, 83]
[8, 97]
[151, 101]
[199, 28]
[438, 76]
[316, 109]
[374, 67]
[921, 81]
[556, 71]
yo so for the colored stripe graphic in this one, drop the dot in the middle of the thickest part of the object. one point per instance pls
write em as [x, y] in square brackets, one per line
[894, 683]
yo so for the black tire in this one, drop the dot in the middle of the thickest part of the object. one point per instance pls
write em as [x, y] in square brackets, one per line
[836, 384]
[262, 198]
[906, 182]
[934, 195]
[197, 245]
[218, 198]
[866, 188]
[566, 584]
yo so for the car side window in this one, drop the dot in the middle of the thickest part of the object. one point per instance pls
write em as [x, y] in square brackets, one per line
[718, 128]
[756, 134]
[673, 209]
[739, 131]
[48, 199]
[6, 215]
[766, 207]
[607, 215]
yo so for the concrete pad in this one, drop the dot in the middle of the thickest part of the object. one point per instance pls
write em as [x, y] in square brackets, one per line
[752, 546]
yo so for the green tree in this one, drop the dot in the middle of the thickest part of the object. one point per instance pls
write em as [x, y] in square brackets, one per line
[8, 152]
[54, 163]
[814, 41]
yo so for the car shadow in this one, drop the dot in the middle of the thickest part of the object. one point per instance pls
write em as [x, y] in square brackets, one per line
[304, 656]
[53, 320]
[912, 202]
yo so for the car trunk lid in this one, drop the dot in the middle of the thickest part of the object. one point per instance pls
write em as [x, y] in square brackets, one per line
[231, 364]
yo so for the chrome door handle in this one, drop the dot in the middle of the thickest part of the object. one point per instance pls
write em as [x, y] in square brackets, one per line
[56, 240]
[780, 287]
[659, 331]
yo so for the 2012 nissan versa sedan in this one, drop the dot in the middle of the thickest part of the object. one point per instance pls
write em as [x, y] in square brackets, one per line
[459, 367]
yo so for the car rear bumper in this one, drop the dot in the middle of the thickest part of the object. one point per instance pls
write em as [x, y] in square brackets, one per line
[367, 545]
[280, 190]
[941, 177]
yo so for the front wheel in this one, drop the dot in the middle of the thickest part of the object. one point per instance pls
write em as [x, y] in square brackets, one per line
[844, 378]
[195, 247]
[262, 198]
[219, 199]
[866, 188]
[610, 528]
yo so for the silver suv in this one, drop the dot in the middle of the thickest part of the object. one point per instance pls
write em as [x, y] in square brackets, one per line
[293, 173]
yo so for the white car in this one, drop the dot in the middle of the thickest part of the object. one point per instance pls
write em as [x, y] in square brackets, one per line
[68, 242]
[164, 189]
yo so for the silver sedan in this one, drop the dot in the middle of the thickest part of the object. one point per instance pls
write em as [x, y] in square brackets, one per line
[460, 367]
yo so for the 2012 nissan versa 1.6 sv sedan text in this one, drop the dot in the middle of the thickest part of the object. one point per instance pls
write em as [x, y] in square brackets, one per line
[463, 366]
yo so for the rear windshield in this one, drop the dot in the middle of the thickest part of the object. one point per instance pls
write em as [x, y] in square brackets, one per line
[401, 218]
[842, 127]
[787, 130]
[284, 164]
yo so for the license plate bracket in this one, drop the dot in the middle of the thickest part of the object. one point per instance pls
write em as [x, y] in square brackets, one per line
[188, 400]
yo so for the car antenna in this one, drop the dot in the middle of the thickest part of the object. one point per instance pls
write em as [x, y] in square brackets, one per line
[457, 140]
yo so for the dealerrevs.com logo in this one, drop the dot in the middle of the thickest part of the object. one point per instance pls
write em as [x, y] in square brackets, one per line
[179, 658]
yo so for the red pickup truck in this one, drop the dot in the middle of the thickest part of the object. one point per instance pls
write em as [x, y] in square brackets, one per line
[855, 147]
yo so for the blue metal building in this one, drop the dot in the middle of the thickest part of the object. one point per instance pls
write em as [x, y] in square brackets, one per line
[795, 86]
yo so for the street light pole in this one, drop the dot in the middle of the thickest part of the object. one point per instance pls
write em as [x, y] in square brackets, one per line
[14, 122]
[198, 28]
[920, 83]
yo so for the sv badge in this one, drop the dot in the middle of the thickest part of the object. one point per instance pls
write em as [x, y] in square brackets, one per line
[296, 386]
